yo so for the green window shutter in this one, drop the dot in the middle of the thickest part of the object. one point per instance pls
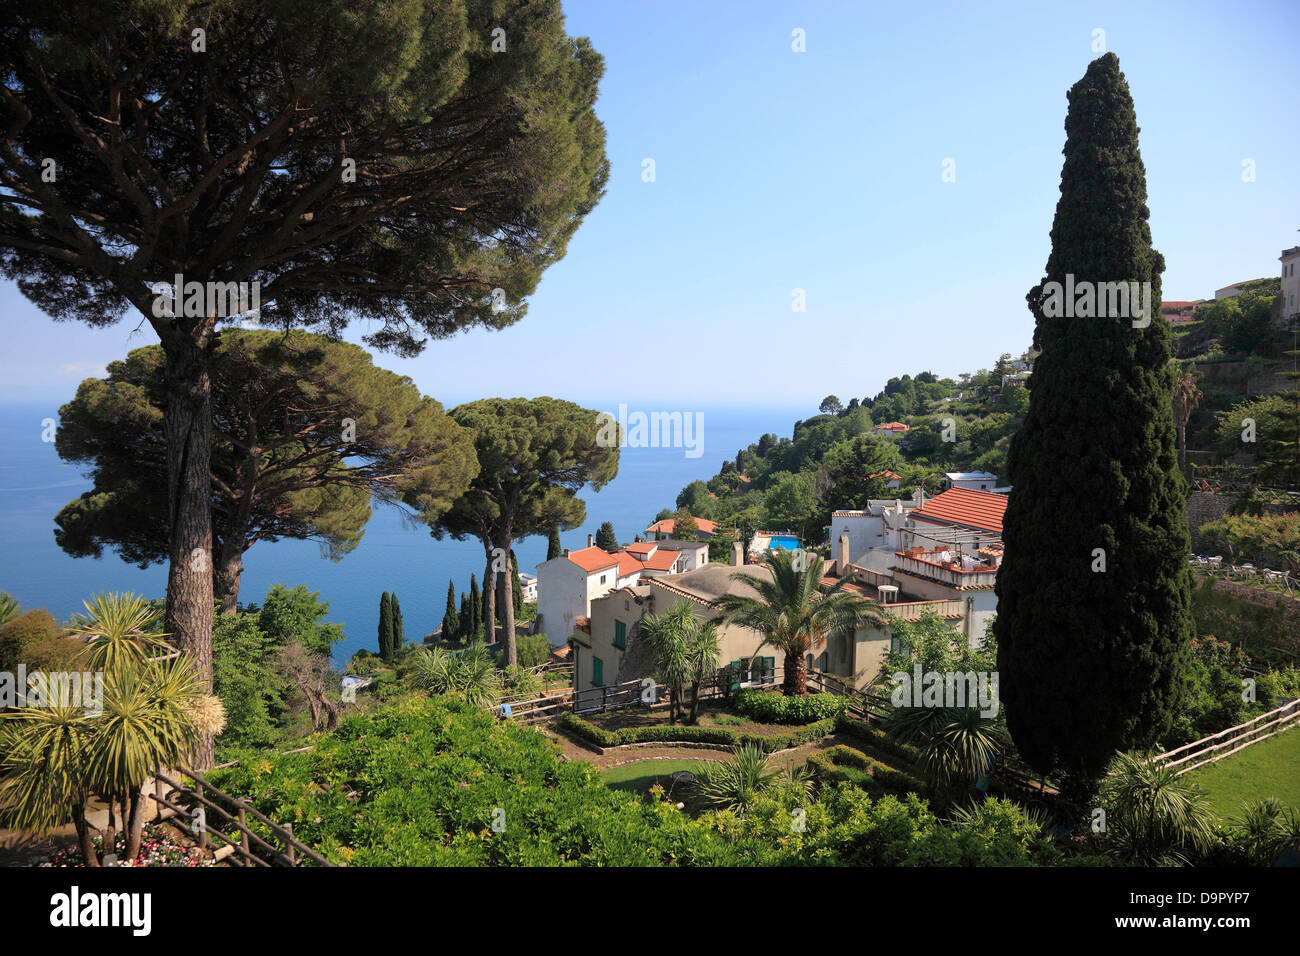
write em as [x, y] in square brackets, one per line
[734, 667]
[620, 634]
[769, 670]
[597, 672]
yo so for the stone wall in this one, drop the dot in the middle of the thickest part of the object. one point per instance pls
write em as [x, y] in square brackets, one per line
[1269, 619]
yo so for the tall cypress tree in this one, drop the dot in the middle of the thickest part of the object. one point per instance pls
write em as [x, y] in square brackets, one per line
[385, 627]
[399, 632]
[466, 616]
[475, 610]
[1094, 610]
[553, 548]
[516, 586]
[450, 619]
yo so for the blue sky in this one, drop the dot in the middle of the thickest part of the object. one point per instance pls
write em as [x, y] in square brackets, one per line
[821, 171]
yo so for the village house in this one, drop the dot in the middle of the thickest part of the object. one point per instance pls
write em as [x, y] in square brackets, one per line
[567, 585]
[708, 529]
[1290, 284]
[892, 429]
[973, 480]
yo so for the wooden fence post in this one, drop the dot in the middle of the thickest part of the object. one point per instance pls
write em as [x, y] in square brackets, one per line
[203, 816]
[243, 834]
[288, 844]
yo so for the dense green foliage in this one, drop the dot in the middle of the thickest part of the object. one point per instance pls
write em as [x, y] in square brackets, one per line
[1091, 661]
[386, 627]
[284, 462]
[1272, 540]
[768, 708]
[418, 784]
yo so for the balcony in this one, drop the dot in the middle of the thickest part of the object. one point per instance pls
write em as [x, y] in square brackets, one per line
[960, 571]
[912, 610]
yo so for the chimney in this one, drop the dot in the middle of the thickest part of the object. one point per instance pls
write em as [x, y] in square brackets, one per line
[737, 554]
[591, 540]
[842, 556]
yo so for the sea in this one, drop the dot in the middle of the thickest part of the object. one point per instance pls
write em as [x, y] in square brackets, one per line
[395, 555]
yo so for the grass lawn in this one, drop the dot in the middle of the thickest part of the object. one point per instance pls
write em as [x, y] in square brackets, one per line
[1267, 769]
[639, 777]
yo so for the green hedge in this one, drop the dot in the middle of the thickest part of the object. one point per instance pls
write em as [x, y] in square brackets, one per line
[795, 738]
[702, 735]
[767, 707]
[876, 738]
[636, 735]
[841, 763]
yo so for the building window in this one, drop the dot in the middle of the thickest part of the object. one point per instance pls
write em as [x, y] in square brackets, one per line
[603, 577]
[597, 672]
[620, 635]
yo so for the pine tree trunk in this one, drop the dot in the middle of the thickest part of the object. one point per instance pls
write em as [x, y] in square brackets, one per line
[228, 574]
[188, 428]
[507, 599]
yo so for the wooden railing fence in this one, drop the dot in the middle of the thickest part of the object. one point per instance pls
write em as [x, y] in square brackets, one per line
[238, 844]
[1227, 742]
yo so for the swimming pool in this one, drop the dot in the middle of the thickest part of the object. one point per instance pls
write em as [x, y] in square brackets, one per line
[784, 542]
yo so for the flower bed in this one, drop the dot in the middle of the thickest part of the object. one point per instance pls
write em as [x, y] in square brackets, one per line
[842, 763]
[157, 848]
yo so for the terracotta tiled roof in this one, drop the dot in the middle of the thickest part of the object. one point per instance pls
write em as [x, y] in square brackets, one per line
[893, 427]
[627, 564]
[887, 474]
[982, 510]
[667, 524]
[662, 560]
[593, 559]
[641, 547]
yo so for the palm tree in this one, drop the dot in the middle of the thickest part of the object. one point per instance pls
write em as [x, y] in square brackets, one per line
[1186, 395]
[795, 614]
[1153, 816]
[668, 638]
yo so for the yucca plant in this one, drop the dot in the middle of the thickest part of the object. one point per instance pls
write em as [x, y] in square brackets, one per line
[56, 757]
[1153, 816]
[8, 607]
[1264, 829]
[43, 783]
[668, 637]
[471, 674]
[735, 784]
[955, 745]
[120, 629]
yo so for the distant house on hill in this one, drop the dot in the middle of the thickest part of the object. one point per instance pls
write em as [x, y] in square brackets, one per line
[892, 429]
[708, 529]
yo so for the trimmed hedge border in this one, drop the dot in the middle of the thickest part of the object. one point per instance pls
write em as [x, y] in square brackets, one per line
[713, 736]
[876, 738]
[845, 764]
